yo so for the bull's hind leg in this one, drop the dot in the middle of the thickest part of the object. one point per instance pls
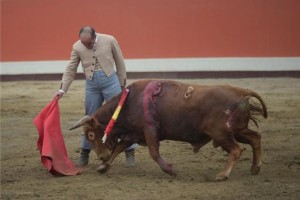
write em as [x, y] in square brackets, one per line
[252, 138]
[232, 148]
[152, 140]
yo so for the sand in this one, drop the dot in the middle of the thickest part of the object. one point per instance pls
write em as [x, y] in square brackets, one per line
[23, 176]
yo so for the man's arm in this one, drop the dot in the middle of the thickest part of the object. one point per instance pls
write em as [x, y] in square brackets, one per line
[69, 74]
[120, 64]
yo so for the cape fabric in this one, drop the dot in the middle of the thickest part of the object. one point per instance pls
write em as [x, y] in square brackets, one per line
[51, 143]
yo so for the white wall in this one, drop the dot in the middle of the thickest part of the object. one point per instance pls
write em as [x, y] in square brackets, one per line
[165, 65]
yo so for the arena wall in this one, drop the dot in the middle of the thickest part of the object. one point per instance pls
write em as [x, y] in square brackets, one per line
[170, 36]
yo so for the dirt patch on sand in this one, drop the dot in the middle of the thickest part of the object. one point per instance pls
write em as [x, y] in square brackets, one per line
[23, 177]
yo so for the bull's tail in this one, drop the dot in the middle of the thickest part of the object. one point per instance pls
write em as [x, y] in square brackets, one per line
[256, 109]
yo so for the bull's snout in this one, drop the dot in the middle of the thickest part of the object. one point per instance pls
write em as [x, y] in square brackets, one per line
[102, 152]
[104, 156]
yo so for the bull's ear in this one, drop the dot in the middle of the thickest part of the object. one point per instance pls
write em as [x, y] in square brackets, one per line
[85, 119]
[92, 123]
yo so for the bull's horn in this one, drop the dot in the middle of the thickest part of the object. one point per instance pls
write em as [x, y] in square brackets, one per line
[81, 122]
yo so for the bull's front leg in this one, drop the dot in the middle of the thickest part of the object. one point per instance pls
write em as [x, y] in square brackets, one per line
[152, 140]
[105, 166]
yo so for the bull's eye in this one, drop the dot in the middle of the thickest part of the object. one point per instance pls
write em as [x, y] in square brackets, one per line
[91, 136]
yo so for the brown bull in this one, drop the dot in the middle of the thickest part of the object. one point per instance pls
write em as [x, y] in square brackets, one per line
[158, 110]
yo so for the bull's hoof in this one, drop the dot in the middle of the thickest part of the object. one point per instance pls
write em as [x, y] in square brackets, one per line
[196, 149]
[220, 177]
[255, 170]
[169, 169]
[104, 167]
[172, 173]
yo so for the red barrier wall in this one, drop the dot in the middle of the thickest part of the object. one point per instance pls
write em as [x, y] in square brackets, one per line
[45, 30]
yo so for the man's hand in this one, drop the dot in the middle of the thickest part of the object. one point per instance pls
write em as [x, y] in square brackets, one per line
[59, 94]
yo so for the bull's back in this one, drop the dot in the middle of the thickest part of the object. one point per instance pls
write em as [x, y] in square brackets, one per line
[186, 111]
[179, 108]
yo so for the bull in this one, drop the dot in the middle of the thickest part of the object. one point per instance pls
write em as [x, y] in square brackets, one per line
[157, 110]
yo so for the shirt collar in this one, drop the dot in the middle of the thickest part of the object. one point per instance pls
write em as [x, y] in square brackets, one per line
[94, 47]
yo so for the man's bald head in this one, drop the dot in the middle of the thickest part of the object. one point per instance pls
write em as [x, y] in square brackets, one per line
[88, 30]
[87, 36]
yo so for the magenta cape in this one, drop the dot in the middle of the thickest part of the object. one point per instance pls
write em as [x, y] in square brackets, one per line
[51, 142]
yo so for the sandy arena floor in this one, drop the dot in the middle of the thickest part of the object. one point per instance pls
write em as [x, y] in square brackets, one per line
[23, 177]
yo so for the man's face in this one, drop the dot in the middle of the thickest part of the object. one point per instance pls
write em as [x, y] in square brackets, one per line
[87, 40]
